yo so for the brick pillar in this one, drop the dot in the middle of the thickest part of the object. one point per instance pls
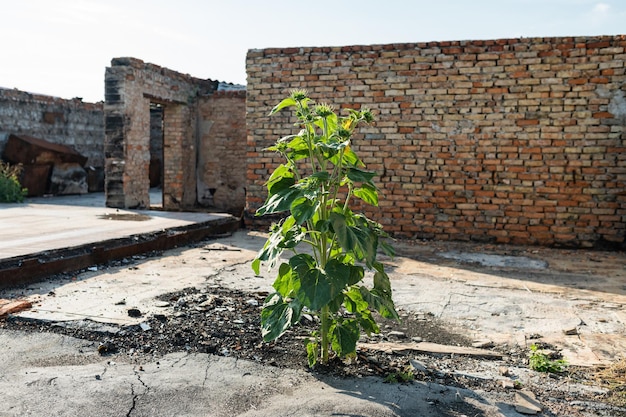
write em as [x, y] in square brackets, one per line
[115, 125]
[127, 140]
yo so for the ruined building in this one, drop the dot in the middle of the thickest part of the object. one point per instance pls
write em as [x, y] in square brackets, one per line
[508, 141]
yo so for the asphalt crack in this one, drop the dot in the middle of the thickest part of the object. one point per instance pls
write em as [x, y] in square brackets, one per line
[206, 374]
[136, 395]
[135, 398]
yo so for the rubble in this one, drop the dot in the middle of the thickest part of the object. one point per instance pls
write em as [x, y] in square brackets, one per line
[526, 403]
[13, 306]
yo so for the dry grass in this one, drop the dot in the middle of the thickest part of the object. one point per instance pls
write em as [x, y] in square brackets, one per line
[614, 378]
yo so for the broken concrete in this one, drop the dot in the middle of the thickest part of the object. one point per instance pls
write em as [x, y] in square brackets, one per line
[495, 303]
[491, 260]
[51, 235]
[526, 403]
[41, 374]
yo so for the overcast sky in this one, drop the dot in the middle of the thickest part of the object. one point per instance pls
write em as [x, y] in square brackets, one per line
[62, 47]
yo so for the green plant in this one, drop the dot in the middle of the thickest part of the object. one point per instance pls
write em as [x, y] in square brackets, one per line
[541, 362]
[11, 190]
[326, 280]
[402, 376]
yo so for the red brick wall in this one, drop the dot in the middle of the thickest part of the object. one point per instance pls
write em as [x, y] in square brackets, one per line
[511, 140]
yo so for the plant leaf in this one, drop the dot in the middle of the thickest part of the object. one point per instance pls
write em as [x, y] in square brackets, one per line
[285, 284]
[277, 316]
[342, 275]
[282, 237]
[312, 353]
[292, 233]
[303, 209]
[287, 102]
[281, 178]
[344, 336]
[380, 303]
[357, 239]
[367, 193]
[367, 322]
[271, 249]
[381, 280]
[256, 266]
[335, 304]
[387, 248]
[356, 305]
[301, 263]
[279, 201]
[315, 289]
[299, 148]
[354, 301]
[359, 175]
[351, 159]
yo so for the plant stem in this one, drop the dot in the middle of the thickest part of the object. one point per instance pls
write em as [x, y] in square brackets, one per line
[325, 326]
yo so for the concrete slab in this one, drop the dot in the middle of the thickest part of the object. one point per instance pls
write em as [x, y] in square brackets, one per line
[44, 224]
[46, 236]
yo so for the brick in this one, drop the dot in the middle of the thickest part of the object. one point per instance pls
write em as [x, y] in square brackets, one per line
[527, 122]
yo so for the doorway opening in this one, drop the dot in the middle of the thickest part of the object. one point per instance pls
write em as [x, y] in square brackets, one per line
[155, 170]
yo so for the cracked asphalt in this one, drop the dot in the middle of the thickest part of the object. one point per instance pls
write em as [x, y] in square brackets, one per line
[44, 380]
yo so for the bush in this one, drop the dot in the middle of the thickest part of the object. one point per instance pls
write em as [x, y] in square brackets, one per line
[11, 190]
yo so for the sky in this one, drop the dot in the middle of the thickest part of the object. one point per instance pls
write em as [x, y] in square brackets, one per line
[62, 47]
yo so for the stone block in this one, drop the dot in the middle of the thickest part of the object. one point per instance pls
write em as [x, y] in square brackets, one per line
[68, 178]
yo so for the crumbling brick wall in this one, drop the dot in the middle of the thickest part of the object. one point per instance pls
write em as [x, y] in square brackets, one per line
[130, 86]
[194, 123]
[73, 123]
[511, 140]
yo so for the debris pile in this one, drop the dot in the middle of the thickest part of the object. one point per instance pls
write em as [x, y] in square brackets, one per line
[49, 168]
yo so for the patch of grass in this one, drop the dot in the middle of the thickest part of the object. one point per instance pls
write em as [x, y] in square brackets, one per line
[539, 361]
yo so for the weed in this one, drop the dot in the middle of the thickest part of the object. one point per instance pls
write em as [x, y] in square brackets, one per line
[539, 361]
[614, 379]
[315, 185]
[400, 377]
